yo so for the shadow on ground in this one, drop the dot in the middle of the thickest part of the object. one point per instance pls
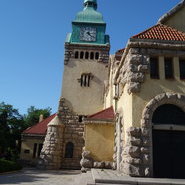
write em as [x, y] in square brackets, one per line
[27, 176]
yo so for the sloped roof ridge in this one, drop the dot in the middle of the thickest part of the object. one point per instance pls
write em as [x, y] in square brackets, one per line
[35, 129]
[102, 112]
[161, 32]
[175, 9]
[145, 31]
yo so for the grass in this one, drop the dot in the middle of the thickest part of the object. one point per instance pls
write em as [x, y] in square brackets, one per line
[8, 166]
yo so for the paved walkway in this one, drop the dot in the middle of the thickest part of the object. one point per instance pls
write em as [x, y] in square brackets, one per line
[38, 177]
[75, 177]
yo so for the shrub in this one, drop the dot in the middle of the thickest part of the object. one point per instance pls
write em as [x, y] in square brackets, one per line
[7, 166]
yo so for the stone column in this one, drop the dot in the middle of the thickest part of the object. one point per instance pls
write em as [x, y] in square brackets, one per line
[131, 163]
[137, 153]
[51, 154]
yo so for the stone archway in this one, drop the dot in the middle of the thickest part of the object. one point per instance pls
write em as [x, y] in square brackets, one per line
[146, 124]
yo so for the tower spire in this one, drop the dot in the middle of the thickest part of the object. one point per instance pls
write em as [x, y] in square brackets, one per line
[91, 3]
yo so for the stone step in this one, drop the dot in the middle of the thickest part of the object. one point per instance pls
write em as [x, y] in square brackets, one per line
[107, 177]
[84, 179]
[143, 183]
[108, 184]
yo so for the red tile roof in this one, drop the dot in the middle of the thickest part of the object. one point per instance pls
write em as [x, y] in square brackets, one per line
[119, 54]
[104, 114]
[39, 128]
[161, 32]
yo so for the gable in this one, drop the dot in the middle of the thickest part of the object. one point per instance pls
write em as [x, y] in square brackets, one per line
[175, 17]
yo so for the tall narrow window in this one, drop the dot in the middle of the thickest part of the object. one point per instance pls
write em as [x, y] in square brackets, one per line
[168, 63]
[92, 56]
[69, 150]
[76, 54]
[81, 55]
[97, 56]
[39, 149]
[87, 55]
[154, 68]
[80, 118]
[182, 68]
[34, 150]
[85, 80]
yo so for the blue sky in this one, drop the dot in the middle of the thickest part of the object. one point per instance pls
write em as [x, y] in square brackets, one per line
[32, 35]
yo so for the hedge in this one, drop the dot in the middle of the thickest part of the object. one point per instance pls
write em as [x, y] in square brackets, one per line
[7, 166]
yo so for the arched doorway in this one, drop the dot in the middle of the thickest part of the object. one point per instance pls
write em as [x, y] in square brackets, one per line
[168, 137]
[69, 150]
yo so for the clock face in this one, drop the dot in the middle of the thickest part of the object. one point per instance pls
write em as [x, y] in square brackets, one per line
[88, 34]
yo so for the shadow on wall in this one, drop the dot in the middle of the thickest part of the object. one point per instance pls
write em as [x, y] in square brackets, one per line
[164, 86]
[97, 80]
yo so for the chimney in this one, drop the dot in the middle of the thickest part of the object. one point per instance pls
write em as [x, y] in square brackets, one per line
[41, 118]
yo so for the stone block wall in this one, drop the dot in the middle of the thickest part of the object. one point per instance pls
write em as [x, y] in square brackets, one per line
[64, 128]
[73, 132]
[50, 157]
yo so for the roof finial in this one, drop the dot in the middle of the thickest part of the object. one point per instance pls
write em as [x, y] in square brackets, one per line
[90, 3]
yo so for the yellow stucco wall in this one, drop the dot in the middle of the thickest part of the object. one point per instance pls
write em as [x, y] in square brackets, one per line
[153, 87]
[125, 109]
[131, 106]
[28, 144]
[177, 20]
[99, 140]
[77, 95]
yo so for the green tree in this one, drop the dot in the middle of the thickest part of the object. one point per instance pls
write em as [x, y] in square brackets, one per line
[11, 126]
[33, 115]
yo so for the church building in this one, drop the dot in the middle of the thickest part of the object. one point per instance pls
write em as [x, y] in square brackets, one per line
[124, 111]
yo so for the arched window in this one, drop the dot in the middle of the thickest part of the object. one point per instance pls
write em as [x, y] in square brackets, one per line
[97, 56]
[169, 114]
[81, 55]
[87, 55]
[92, 56]
[168, 139]
[69, 150]
[76, 54]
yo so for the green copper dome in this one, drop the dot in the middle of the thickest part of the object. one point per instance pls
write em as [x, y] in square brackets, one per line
[88, 21]
[89, 13]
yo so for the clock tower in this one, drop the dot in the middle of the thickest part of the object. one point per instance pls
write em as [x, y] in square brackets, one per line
[85, 71]
[86, 61]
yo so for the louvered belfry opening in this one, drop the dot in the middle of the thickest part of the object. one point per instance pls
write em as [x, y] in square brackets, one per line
[85, 80]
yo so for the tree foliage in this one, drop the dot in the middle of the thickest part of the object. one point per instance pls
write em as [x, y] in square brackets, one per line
[33, 115]
[12, 124]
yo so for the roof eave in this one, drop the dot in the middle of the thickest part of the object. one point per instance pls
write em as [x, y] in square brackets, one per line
[98, 121]
[34, 134]
[155, 41]
[166, 16]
